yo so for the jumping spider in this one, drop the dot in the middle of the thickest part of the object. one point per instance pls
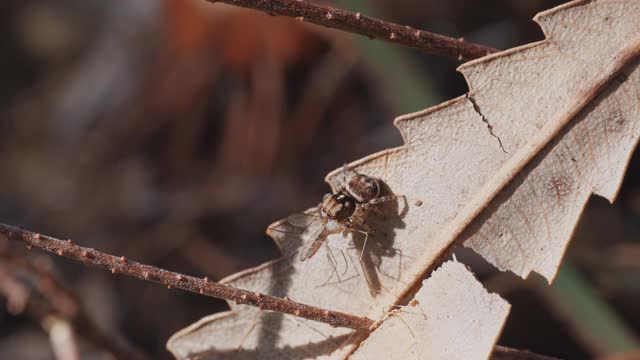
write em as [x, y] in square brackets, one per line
[336, 212]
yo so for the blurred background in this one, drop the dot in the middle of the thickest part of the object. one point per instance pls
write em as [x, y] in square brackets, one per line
[175, 131]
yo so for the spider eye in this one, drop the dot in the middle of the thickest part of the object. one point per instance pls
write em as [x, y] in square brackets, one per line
[374, 188]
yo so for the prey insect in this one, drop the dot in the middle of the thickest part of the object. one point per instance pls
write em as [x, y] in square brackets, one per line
[335, 213]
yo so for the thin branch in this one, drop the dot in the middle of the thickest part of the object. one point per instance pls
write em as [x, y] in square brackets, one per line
[204, 286]
[121, 265]
[428, 42]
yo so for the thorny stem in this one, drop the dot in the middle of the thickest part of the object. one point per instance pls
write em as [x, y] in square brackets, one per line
[121, 265]
[428, 42]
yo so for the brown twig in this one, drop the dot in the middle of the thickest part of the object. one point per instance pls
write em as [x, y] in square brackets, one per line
[428, 42]
[121, 265]
[204, 286]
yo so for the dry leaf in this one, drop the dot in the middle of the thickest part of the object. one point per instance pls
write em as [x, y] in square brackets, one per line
[452, 317]
[507, 168]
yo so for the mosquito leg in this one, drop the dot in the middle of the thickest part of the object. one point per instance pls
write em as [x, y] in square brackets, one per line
[368, 272]
[249, 330]
[410, 305]
[351, 258]
[399, 274]
[346, 266]
[398, 314]
[330, 253]
[366, 237]
[364, 245]
[334, 263]
[334, 266]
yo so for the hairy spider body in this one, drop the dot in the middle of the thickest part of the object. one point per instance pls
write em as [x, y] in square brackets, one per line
[362, 188]
[336, 212]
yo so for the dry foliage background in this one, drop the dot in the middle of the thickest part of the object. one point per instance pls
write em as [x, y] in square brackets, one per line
[175, 131]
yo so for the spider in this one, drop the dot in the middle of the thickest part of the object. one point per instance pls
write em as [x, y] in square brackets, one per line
[336, 212]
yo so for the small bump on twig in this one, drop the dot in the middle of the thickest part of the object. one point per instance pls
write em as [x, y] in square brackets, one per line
[372, 28]
[121, 265]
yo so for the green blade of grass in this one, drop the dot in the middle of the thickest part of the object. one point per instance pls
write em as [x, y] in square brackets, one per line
[405, 83]
[593, 320]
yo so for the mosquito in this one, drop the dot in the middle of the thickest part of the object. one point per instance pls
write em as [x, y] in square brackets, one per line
[335, 213]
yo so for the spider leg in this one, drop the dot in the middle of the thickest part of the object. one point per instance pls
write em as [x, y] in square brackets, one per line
[345, 180]
[383, 199]
[346, 168]
[386, 198]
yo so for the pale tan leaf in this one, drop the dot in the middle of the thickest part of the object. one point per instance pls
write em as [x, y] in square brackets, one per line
[452, 317]
[528, 226]
[252, 334]
[273, 335]
[506, 168]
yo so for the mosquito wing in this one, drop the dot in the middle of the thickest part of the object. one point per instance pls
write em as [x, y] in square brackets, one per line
[302, 220]
[314, 238]
[296, 224]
